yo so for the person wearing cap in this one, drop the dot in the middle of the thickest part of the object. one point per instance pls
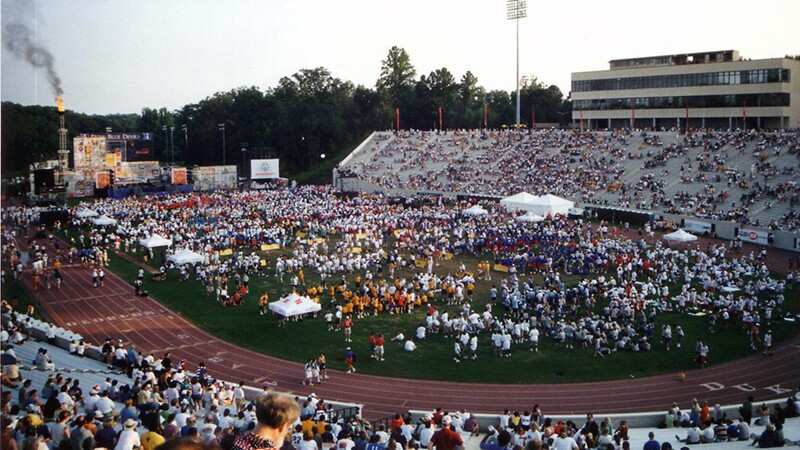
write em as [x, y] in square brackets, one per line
[350, 359]
[129, 437]
[106, 437]
[767, 343]
[446, 438]
[275, 415]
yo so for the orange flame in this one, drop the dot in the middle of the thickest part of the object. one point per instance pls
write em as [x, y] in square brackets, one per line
[60, 104]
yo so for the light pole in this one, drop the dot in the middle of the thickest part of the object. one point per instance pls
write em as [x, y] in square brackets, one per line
[185, 130]
[221, 128]
[172, 146]
[515, 10]
[166, 142]
[244, 146]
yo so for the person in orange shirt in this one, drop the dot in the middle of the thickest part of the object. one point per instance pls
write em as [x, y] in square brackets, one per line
[379, 347]
[373, 340]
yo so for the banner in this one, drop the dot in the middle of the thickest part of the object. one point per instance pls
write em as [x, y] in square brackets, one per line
[137, 172]
[261, 169]
[755, 236]
[102, 179]
[179, 175]
[89, 151]
[209, 178]
[79, 183]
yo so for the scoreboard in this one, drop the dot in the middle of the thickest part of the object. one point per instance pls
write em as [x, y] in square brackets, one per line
[133, 146]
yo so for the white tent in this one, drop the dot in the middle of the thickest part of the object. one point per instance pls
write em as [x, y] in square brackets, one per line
[680, 236]
[104, 220]
[530, 217]
[475, 210]
[84, 213]
[551, 205]
[294, 305]
[186, 256]
[521, 201]
[155, 241]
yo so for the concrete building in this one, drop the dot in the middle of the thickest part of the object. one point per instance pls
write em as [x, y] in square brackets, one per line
[711, 89]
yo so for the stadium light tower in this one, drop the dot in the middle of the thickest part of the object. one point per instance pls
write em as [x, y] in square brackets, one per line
[515, 10]
[221, 128]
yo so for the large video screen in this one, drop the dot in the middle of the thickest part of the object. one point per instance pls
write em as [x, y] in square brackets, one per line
[133, 146]
[261, 169]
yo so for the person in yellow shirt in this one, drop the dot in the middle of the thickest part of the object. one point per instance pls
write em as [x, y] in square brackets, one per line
[152, 438]
[263, 301]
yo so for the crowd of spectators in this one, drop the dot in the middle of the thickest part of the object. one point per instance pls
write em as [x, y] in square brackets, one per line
[715, 180]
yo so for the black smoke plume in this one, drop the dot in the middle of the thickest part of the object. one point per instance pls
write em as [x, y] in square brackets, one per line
[18, 39]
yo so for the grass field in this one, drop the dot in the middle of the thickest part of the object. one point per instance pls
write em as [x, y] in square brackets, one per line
[433, 359]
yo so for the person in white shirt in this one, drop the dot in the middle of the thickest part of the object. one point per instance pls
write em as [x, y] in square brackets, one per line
[564, 442]
[129, 437]
[346, 443]
[410, 346]
[425, 435]
[421, 332]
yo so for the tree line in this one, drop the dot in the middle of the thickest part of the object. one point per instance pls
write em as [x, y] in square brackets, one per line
[307, 115]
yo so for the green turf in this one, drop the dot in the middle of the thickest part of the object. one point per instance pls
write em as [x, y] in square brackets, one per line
[299, 341]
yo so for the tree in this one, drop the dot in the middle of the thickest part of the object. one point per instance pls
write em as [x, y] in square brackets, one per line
[396, 82]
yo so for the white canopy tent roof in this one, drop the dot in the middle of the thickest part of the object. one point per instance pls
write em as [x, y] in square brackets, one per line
[475, 210]
[186, 256]
[521, 201]
[84, 213]
[680, 236]
[104, 220]
[530, 217]
[155, 240]
[551, 205]
[294, 305]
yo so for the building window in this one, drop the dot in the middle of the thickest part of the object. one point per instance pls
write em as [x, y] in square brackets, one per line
[684, 80]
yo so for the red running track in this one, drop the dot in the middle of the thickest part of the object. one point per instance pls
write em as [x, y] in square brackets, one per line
[114, 311]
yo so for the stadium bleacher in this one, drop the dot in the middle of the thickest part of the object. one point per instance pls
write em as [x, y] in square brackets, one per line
[744, 177]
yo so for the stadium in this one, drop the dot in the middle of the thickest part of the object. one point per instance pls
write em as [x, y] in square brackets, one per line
[622, 270]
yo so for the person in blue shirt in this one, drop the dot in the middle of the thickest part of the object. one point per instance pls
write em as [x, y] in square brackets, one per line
[652, 443]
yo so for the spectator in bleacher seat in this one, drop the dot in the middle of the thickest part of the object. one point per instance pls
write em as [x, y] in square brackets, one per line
[446, 438]
[43, 360]
[275, 415]
[59, 431]
[7, 440]
[106, 437]
[80, 433]
[129, 437]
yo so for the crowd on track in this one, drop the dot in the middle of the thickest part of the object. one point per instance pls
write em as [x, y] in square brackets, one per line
[358, 247]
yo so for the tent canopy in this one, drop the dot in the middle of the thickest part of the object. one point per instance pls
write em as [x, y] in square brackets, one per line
[186, 256]
[521, 201]
[475, 210]
[680, 236]
[530, 217]
[294, 305]
[84, 213]
[155, 240]
[551, 205]
[104, 220]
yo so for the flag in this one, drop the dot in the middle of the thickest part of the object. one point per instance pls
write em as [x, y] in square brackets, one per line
[485, 116]
[397, 118]
[533, 116]
[440, 117]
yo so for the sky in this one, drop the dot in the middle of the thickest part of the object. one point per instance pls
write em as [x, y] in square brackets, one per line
[119, 56]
